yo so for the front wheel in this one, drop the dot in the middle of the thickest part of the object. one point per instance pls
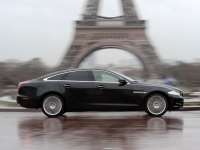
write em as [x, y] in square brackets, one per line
[52, 105]
[156, 105]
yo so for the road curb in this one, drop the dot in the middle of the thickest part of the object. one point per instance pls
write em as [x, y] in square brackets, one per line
[20, 109]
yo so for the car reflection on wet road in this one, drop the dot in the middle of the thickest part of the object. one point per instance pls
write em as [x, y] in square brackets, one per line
[100, 130]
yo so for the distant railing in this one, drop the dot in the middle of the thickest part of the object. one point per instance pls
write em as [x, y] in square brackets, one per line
[113, 22]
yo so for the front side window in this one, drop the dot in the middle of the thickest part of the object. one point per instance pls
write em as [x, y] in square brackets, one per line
[104, 76]
[77, 76]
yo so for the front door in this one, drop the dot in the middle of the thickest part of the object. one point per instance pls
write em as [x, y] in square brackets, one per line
[109, 92]
[78, 86]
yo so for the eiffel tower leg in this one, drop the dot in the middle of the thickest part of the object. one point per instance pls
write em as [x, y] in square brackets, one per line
[71, 55]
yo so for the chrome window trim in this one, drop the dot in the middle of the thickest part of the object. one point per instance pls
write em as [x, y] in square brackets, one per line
[46, 79]
[81, 81]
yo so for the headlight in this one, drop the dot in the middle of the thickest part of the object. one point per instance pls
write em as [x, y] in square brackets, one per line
[173, 93]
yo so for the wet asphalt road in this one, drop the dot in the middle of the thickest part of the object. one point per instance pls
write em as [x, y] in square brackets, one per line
[100, 131]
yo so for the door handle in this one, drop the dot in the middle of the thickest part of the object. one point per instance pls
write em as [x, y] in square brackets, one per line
[100, 86]
[67, 86]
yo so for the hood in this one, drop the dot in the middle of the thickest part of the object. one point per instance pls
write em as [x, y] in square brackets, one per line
[161, 85]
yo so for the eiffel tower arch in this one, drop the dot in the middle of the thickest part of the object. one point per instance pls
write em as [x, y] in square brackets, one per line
[125, 32]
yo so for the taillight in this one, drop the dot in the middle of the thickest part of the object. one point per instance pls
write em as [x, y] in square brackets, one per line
[21, 83]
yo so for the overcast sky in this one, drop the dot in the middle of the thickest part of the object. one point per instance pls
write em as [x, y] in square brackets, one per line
[44, 28]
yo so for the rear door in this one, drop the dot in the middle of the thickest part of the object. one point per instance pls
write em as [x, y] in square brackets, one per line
[78, 86]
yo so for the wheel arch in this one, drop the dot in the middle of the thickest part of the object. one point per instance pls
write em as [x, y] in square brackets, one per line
[49, 93]
[156, 92]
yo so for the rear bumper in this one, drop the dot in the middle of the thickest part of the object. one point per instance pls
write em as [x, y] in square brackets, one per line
[26, 102]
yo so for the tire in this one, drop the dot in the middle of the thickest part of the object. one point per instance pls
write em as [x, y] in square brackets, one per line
[52, 105]
[156, 105]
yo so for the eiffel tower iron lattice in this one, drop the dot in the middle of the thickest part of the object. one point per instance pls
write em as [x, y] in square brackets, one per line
[125, 32]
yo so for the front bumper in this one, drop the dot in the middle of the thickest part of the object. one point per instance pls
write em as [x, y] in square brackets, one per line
[177, 102]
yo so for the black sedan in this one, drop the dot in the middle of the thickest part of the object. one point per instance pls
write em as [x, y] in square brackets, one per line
[96, 90]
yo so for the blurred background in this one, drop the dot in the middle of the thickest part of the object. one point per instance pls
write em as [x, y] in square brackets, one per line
[35, 36]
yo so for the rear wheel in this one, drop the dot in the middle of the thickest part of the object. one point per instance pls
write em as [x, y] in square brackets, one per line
[156, 105]
[52, 105]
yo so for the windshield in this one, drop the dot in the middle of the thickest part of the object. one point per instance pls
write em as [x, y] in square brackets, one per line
[128, 78]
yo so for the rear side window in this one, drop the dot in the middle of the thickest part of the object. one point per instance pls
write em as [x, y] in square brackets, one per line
[77, 76]
[56, 77]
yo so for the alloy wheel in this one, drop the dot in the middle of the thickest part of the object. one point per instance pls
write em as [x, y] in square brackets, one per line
[156, 105]
[52, 106]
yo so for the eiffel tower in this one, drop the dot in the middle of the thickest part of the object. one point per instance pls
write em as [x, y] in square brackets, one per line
[125, 32]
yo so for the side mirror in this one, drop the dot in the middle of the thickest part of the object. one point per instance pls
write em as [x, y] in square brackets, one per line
[122, 81]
